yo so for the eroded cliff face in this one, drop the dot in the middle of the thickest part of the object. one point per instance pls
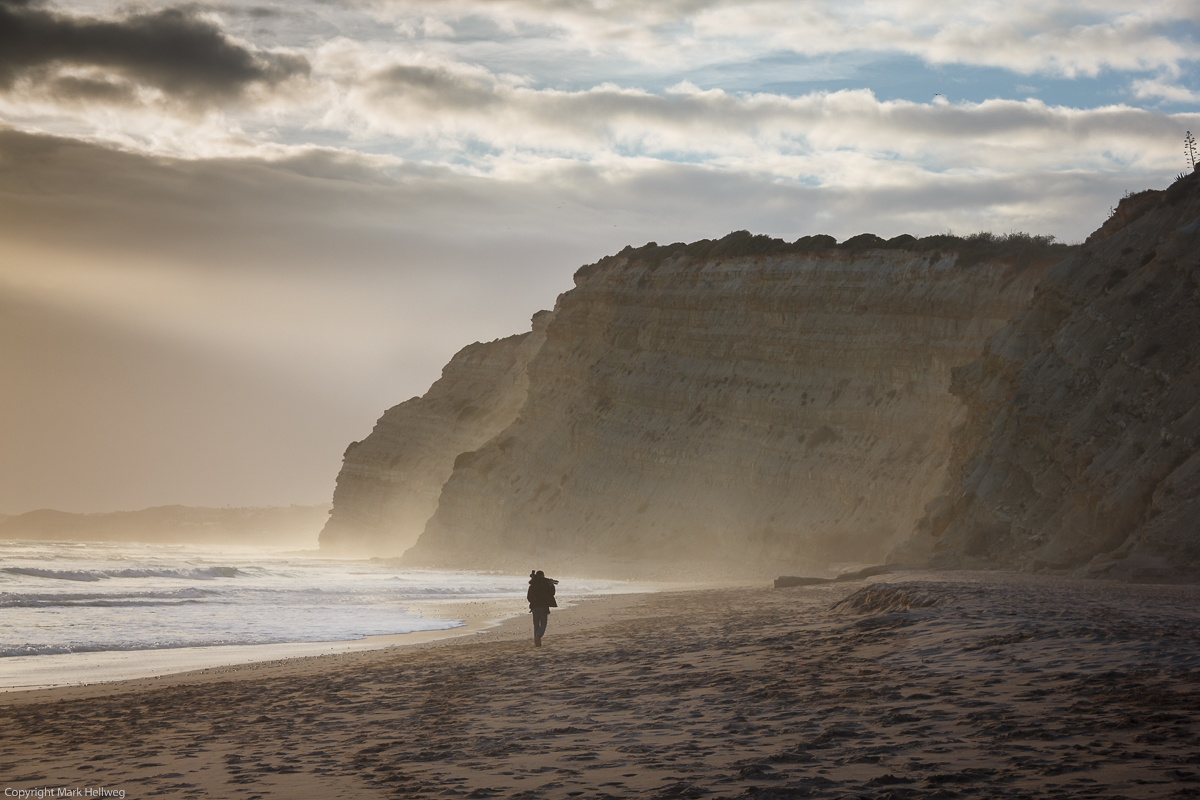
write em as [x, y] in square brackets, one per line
[390, 481]
[1081, 446]
[780, 410]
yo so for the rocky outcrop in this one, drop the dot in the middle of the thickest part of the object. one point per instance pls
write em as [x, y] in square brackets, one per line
[1080, 451]
[783, 408]
[390, 481]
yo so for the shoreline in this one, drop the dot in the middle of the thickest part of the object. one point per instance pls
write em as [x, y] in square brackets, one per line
[100, 674]
[72, 669]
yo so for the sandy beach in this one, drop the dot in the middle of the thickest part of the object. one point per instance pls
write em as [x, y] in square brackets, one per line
[912, 685]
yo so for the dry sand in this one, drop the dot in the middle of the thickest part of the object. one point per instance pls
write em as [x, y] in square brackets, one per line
[919, 685]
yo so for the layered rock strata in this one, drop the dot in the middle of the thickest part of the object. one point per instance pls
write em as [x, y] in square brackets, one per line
[390, 481]
[1082, 445]
[787, 408]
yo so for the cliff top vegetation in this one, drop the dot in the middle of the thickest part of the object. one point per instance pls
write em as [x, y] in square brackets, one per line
[971, 249]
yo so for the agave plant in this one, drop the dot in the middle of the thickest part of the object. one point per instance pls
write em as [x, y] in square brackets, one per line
[1189, 149]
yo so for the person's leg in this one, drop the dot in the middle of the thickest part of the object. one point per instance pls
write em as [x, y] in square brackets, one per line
[540, 617]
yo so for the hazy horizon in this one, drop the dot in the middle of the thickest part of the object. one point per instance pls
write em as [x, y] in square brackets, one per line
[232, 235]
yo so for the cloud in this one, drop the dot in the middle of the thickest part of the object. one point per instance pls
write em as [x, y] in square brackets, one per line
[1065, 38]
[851, 138]
[438, 88]
[1158, 89]
[174, 50]
[441, 99]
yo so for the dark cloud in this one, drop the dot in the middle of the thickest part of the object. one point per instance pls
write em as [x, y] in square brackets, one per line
[254, 12]
[436, 88]
[174, 50]
[110, 92]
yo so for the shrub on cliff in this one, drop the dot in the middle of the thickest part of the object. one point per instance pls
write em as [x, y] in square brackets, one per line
[739, 244]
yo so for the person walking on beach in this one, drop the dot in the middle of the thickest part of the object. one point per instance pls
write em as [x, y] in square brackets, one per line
[541, 600]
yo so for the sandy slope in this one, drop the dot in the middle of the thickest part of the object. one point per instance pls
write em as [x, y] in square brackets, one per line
[917, 685]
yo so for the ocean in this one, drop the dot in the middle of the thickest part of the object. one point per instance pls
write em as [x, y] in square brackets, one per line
[70, 598]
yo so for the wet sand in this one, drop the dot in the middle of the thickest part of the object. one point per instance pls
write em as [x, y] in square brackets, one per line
[918, 685]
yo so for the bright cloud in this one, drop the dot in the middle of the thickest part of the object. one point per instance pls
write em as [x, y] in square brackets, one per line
[1066, 38]
[1156, 89]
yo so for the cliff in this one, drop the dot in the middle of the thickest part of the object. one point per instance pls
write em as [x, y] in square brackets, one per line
[741, 402]
[1080, 450]
[390, 481]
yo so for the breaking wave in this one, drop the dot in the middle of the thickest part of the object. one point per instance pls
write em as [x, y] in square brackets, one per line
[195, 574]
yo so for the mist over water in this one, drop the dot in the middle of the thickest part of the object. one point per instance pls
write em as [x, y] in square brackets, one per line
[71, 597]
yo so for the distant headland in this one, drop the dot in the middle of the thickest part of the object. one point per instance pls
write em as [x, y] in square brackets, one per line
[286, 526]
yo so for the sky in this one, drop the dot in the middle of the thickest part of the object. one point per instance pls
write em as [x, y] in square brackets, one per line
[233, 234]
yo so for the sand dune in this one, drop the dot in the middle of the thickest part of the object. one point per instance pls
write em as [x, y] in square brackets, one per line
[914, 685]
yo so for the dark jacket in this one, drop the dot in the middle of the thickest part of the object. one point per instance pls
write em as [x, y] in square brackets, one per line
[541, 593]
